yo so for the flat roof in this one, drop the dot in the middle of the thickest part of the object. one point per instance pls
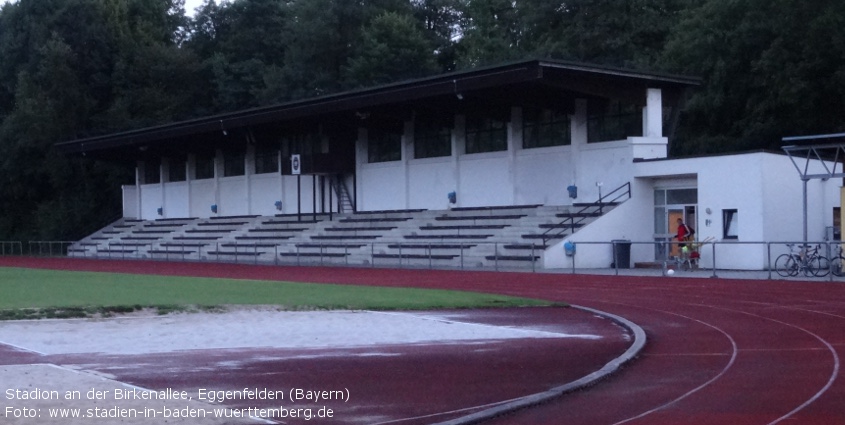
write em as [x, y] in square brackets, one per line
[514, 82]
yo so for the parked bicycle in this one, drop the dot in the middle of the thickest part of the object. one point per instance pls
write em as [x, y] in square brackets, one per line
[803, 259]
[837, 263]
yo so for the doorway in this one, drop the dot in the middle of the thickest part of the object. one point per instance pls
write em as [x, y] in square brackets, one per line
[669, 206]
[687, 215]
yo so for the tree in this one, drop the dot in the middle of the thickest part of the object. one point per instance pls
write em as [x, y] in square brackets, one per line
[240, 43]
[73, 68]
[392, 48]
[770, 69]
[440, 19]
[491, 32]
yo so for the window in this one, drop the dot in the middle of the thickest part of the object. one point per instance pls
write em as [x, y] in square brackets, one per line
[302, 142]
[383, 145]
[233, 164]
[432, 137]
[613, 120]
[204, 167]
[152, 171]
[266, 159]
[176, 170]
[544, 127]
[730, 224]
[485, 134]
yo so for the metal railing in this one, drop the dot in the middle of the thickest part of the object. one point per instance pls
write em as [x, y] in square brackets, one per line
[716, 259]
[11, 248]
[49, 248]
[574, 220]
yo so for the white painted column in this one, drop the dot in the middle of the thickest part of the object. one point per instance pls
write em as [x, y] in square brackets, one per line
[653, 114]
[361, 160]
[578, 134]
[138, 167]
[514, 146]
[458, 150]
[281, 183]
[190, 164]
[249, 164]
[162, 173]
[218, 171]
[407, 142]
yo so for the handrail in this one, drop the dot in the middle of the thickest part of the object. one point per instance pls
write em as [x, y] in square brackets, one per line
[561, 227]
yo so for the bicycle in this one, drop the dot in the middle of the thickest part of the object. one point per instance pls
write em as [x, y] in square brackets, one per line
[803, 259]
[837, 263]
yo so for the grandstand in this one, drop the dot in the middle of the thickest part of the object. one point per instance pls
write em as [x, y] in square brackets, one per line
[491, 167]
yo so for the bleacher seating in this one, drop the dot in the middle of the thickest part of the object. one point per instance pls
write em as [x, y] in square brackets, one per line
[496, 236]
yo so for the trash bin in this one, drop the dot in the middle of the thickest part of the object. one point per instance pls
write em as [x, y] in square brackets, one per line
[622, 253]
[569, 248]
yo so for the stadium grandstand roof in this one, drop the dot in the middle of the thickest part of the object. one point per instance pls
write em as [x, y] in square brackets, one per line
[525, 82]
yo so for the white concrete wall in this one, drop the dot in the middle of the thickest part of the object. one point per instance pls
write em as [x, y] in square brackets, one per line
[429, 182]
[265, 190]
[542, 175]
[202, 198]
[609, 163]
[485, 180]
[130, 201]
[176, 200]
[766, 191]
[151, 201]
[764, 188]
[233, 196]
[381, 186]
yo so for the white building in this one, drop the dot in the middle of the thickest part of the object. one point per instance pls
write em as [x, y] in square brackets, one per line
[524, 133]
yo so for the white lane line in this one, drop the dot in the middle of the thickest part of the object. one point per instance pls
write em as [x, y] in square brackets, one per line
[22, 348]
[466, 409]
[730, 363]
[830, 348]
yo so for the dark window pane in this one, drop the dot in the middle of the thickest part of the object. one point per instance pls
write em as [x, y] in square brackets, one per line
[432, 137]
[485, 134]
[266, 160]
[613, 120]
[384, 145]
[176, 170]
[544, 127]
[204, 167]
[233, 164]
[152, 171]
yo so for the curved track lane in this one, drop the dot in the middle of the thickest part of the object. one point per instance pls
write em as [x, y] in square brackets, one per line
[719, 351]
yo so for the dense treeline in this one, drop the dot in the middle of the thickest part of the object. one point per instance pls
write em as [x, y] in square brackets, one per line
[75, 68]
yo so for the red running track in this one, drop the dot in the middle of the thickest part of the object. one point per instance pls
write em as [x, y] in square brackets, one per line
[719, 351]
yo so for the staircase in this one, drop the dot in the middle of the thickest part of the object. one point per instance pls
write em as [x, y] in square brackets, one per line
[345, 203]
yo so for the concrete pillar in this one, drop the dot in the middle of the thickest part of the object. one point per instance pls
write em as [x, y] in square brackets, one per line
[653, 114]
[578, 134]
[407, 143]
[458, 150]
[514, 146]
[138, 167]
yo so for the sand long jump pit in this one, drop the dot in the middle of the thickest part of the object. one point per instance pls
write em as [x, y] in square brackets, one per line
[259, 365]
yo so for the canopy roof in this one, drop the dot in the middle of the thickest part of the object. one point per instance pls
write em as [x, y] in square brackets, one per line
[532, 82]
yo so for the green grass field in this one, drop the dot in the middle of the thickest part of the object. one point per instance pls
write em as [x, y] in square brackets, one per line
[28, 293]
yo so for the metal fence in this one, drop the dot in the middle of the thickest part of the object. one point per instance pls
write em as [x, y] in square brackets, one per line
[11, 248]
[716, 259]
